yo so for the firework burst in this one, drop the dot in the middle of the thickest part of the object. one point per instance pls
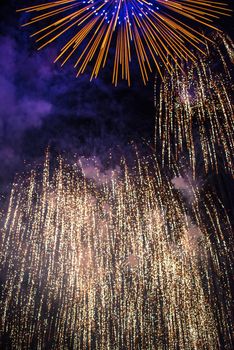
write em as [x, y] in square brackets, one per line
[155, 30]
[119, 263]
[194, 115]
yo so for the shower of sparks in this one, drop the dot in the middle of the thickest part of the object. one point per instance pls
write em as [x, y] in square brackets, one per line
[156, 30]
[195, 110]
[119, 263]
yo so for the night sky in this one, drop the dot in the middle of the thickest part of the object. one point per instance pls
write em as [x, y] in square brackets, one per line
[42, 104]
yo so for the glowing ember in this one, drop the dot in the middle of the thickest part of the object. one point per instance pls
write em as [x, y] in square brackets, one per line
[195, 111]
[121, 264]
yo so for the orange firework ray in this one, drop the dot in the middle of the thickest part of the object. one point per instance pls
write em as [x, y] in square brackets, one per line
[149, 27]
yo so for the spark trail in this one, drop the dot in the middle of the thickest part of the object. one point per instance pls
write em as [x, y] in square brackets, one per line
[194, 115]
[116, 264]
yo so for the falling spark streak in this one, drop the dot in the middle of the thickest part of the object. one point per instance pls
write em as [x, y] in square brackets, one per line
[115, 264]
[194, 110]
[91, 26]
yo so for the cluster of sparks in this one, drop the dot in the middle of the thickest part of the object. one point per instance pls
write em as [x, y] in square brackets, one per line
[116, 264]
[156, 30]
[195, 110]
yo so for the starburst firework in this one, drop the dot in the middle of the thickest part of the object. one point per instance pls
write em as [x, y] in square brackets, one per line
[119, 263]
[194, 115]
[155, 30]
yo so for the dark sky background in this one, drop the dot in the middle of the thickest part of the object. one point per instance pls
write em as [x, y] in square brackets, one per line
[42, 104]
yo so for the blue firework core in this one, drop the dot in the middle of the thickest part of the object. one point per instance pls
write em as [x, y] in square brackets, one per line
[121, 10]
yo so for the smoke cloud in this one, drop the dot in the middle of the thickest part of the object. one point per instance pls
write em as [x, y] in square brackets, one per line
[43, 104]
[184, 186]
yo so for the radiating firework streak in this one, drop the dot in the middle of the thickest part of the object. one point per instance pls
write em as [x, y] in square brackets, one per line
[121, 264]
[155, 30]
[194, 114]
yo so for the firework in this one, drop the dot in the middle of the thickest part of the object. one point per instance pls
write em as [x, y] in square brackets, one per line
[119, 263]
[195, 110]
[154, 29]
